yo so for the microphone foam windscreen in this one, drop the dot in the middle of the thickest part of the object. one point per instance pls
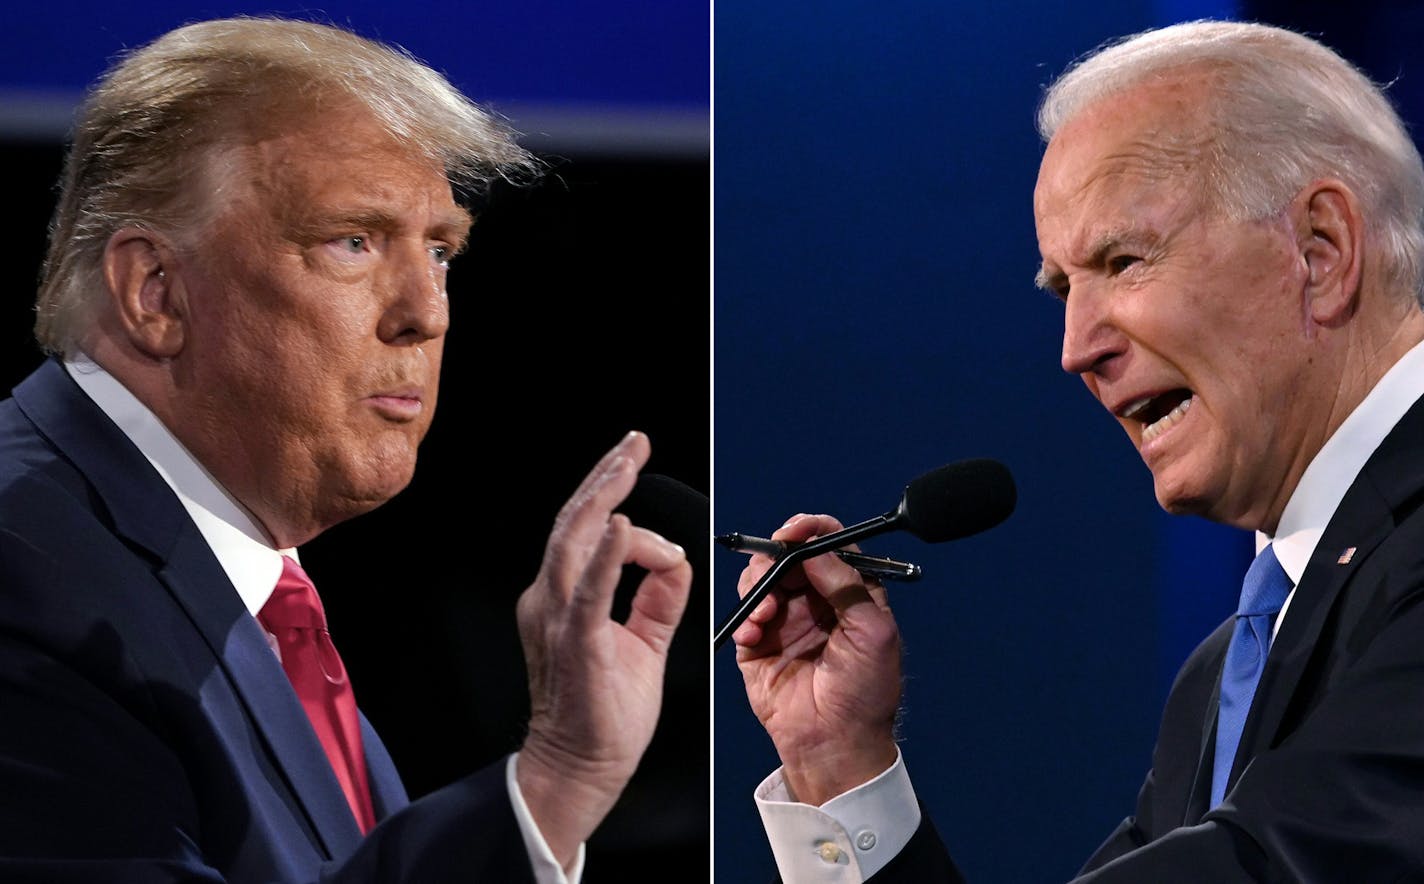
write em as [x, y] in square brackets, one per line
[672, 508]
[958, 499]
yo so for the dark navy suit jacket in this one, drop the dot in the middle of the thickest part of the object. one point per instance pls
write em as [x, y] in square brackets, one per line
[147, 731]
[1328, 782]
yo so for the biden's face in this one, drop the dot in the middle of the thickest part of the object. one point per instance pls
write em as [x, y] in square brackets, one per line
[1186, 325]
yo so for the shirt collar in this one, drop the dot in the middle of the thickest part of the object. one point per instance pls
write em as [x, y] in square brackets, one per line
[1324, 483]
[240, 545]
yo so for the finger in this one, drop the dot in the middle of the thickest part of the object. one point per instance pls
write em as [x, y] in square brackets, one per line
[661, 599]
[592, 598]
[799, 527]
[828, 575]
[746, 637]
[769, 604]
[772, 602]
[838, 583]
[749, 630]
[830, 570]
[634, 445]
[790, 580]
[649, 549]
[827, 569]
[662, 595]
[581, 521]
[756, 568]
[804, 525]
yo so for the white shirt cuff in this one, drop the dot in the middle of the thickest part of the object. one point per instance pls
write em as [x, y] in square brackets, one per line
[546, 869]
[845, 840]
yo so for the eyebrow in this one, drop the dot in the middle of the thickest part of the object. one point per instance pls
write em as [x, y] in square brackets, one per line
[1105, 242]
[453, 225]
[1049, 281]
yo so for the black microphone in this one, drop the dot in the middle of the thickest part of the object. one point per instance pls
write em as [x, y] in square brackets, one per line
[947, 503]
[679, 513]
[670, 507]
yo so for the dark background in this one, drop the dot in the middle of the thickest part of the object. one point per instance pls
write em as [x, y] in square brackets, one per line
[875, 317]
[580, 311]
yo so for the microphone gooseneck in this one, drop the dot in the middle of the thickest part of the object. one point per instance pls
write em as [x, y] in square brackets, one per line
[947, 503]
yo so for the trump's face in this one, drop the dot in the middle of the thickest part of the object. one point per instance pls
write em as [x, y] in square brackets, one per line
[1187, 326]
[311, 357]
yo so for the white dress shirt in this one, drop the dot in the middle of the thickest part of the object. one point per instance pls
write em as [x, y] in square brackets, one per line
[824, 844]
[247, 555]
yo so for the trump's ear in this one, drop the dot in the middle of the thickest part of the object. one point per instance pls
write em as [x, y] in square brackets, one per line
[1330, 232]
[144, 294]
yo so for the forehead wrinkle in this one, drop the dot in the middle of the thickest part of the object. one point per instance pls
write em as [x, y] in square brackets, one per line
[1111, 185]
[1149, 154]
[1156, 156]
[385, 208]
[455, 222]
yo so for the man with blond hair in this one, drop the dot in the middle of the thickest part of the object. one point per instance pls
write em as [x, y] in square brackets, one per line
[1231, 215]
[244, 303]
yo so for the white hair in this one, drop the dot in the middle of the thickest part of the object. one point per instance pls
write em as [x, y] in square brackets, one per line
[1283, 110]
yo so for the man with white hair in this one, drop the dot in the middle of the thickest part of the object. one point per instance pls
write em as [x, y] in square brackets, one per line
[1231, 215]
[244, 303]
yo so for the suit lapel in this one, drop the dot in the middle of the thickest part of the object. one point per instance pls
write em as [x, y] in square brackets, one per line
[388, 793]
[1199, 797]
[146, 512]
[193, 576]
[1360, 524]
[1393, 476]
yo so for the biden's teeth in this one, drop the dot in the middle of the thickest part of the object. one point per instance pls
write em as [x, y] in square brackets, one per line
[1137, 406]
[1163, 423]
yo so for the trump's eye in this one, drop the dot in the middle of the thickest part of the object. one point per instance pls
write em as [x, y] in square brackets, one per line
[350, 248]
[442, 255]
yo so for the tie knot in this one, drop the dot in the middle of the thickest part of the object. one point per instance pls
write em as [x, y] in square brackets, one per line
[294, 603]
[1266, 585]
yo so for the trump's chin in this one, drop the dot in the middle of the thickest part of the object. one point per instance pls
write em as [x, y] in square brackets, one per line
[363, 485]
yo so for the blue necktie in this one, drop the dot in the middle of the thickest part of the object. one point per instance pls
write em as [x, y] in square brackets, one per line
[1262, 593]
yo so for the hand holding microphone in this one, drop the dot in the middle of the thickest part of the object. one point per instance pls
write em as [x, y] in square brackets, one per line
[821, 660]
[953, 501]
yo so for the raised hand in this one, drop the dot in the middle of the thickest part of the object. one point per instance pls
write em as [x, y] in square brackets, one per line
[595, 685]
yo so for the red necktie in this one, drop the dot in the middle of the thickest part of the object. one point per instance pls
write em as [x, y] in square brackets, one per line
[296, 619]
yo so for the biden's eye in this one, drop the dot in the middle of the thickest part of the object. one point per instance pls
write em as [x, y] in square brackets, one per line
[1119, 263]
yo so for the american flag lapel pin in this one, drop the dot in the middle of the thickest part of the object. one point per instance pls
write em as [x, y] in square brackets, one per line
[1346, 556]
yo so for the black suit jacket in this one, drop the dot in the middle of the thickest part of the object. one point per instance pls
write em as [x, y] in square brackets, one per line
[147, 731]
[1328, 784]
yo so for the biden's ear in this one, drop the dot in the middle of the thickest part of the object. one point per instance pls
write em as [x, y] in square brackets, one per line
[144, 292]
[1330, 232]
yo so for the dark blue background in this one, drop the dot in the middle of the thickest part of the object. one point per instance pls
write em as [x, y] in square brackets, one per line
[875, 317]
